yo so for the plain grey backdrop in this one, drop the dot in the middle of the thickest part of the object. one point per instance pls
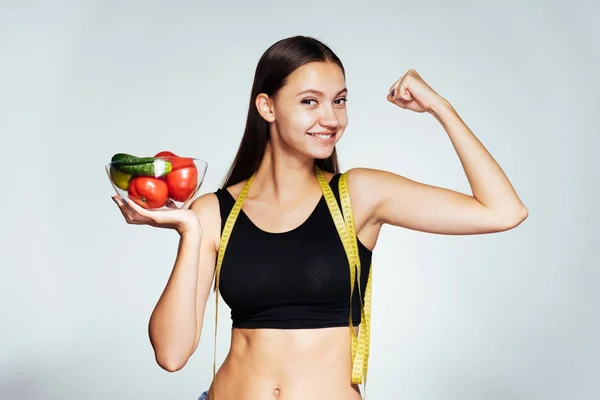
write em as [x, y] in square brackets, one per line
[504, 316]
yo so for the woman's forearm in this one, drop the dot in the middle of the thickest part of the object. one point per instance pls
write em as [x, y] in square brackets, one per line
[489, 183]
[173, 323]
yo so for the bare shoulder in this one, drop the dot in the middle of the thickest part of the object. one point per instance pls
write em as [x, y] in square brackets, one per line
[360, 176]
[207, 209]
[374, 189]
[378, 193]
[205, 204]
[363, 183]
[364, 178]
[363, 189]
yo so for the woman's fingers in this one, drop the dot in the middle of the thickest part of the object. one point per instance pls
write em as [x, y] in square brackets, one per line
[128, 211]
[172, 217]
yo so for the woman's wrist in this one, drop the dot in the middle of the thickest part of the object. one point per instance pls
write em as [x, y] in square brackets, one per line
[190, 227]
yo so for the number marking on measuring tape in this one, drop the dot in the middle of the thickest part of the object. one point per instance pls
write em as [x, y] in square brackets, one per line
[347, 233]
[225, 235]
[346, 230]
[360, 368]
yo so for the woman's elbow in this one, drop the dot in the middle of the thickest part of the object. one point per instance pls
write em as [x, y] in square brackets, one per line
[170, 361]
[520, 216]
[513, 219]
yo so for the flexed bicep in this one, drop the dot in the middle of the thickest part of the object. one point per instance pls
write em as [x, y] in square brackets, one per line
[398, 201]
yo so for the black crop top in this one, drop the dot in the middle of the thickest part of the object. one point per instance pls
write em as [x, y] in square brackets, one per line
[292, 280]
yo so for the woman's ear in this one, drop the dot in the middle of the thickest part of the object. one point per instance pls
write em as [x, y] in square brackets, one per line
[265, 108]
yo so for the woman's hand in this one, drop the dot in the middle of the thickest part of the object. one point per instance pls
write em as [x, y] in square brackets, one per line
[412, 93]
[178, 219]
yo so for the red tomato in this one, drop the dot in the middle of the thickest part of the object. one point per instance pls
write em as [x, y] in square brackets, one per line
[176, 161]
[182, 182]
[148, 192]
[183, 179]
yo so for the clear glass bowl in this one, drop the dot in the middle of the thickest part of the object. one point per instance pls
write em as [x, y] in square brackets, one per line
[163, 181]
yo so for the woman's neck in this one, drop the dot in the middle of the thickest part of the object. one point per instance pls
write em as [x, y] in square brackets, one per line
[283, 176]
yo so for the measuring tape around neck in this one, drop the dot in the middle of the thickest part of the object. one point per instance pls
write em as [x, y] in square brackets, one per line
[347, 233]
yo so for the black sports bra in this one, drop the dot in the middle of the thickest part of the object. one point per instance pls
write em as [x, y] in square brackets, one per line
[293, 280]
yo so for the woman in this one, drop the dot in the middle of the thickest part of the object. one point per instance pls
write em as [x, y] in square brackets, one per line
[285, 273]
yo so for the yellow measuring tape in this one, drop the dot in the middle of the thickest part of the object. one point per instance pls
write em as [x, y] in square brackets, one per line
[347, 232]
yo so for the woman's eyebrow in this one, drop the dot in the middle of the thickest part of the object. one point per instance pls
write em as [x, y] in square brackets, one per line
[319, 93]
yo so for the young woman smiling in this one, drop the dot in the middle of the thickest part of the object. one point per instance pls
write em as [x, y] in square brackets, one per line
[285, 273]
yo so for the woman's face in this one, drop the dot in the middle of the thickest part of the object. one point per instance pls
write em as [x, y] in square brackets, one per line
[309, 112]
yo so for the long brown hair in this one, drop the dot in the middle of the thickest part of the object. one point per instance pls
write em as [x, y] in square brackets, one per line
[275, 65]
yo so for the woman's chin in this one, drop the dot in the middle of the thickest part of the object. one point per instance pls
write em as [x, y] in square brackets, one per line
[322, 154]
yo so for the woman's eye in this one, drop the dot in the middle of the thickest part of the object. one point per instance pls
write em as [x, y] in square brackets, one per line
[342, 100]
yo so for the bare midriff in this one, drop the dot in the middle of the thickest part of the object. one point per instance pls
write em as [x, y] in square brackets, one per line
[294, 364]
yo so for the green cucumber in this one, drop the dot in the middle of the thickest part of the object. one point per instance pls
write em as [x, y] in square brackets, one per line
[141, 166]
[125, 159]
[157, 167]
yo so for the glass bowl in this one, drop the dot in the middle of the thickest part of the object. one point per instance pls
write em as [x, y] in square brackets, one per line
[160, 182]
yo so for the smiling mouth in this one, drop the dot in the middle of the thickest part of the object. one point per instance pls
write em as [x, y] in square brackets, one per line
[322, 135]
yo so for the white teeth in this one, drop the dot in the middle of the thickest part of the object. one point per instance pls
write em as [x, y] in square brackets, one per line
[322, 136]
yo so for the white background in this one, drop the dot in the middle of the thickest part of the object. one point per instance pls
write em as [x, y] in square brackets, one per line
[505, 316]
